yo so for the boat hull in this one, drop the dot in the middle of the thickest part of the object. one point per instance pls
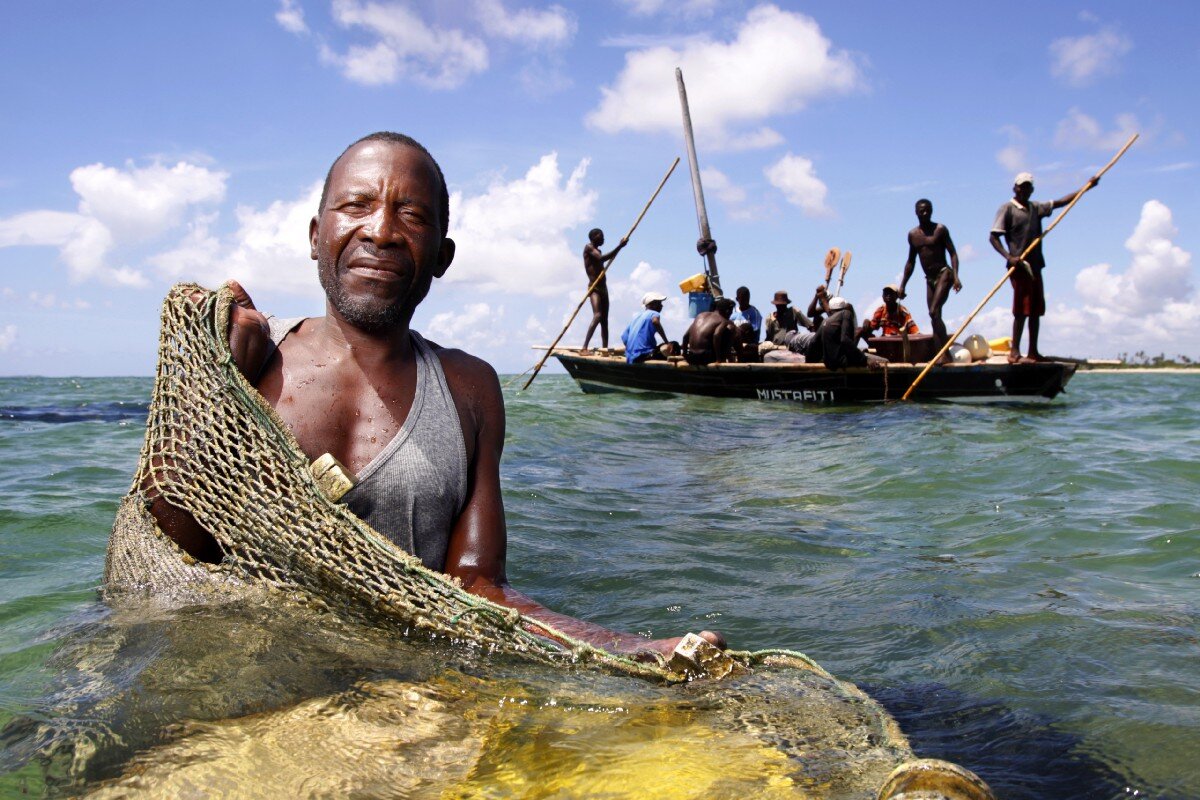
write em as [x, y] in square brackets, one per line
[814, 384]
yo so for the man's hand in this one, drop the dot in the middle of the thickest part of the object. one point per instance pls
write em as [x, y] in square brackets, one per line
[646, 650]
[249, 334]
[624, 241]
[902, 293]
[957, 284]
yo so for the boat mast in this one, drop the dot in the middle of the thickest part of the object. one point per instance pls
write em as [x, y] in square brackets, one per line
[714, 280]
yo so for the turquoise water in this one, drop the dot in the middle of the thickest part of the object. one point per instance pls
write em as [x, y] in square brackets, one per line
[1016, 584]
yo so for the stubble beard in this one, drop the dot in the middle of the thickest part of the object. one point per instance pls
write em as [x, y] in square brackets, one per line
[368, 314]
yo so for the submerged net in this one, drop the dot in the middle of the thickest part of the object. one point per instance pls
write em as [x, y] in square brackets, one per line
[216, 449]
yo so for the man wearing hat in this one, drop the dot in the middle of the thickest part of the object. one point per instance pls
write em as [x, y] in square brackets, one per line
[1019, 221]
[891, 316]
[784, 319]
[639, 335]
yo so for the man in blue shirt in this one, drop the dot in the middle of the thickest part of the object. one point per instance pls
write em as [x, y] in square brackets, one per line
[746, 313]
[639, 335]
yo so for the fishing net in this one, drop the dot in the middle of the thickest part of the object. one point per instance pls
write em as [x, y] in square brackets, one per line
[216, 449]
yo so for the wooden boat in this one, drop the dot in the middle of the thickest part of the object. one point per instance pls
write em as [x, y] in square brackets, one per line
[990, 380]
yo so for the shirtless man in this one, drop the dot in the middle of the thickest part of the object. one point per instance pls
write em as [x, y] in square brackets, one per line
[711, 337]
[351, 382]
[931, 241]
[593, 265]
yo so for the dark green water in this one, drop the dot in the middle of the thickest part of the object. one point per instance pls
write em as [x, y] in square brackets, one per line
[1016, 584]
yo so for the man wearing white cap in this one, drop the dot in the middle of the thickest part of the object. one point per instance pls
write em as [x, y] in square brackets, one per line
[1019, 221]
[639, 335]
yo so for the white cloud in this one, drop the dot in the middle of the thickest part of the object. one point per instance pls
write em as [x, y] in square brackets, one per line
[682, 8]
[1078, 130]
[795, 177]
[1159, 273]
[8, 337]
[290, 17]
[733, 197]
[721, 187]
[142, 202]
[405, 47]
[1077, 60]
[1151, 304]
[513, 237]
[776, 63]
[477, 328]
[268, 252]
[552, 26]
[1013, 156]
[84, 243]
[116, 208]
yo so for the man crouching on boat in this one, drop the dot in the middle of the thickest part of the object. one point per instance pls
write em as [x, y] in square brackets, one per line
[421, 425]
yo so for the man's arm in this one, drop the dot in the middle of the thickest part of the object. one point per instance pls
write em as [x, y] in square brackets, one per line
[1011, 260]
[479, 538]
[953, 258]
[604, 259]
[908, 267]
[658, 328]
[1067, 198]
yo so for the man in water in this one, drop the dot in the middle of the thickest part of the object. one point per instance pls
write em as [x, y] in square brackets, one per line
[594, 264]
[638, 336]
[1019, 221]
[711, 337]
[891, 318]
[931, 241]
[422, 424]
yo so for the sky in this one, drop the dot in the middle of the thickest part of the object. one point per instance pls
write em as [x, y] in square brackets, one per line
[151, 143]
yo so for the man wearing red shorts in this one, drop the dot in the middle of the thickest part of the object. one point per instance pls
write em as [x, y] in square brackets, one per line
[1019, 221]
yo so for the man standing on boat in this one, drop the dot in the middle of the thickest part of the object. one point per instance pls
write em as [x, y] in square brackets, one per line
[1019, 221]
[711, 337]
[639, 334]
[931, 241]
[421, 425]
[593, 264]
[784, 319]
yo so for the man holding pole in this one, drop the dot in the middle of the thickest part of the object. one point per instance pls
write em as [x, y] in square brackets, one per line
[1019, 221]
[593, 265]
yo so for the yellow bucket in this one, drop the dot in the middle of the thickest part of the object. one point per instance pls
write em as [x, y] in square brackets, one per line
[1001, 345]
[696, 283]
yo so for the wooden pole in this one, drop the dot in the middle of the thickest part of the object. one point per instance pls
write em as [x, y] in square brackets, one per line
[599, 277]
[714, 280]
[933, 361]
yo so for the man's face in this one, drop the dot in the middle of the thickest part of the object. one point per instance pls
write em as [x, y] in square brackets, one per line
[598, 238]
[378, 241]
[743, 299]
[1023, 191]
[924, 211]
[889, 298]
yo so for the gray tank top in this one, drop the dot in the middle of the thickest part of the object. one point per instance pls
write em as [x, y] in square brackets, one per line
[415, 488]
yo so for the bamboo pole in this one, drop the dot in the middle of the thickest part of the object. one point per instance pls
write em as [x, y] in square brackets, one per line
[714, 280]
[1091, 181]
[599, 277]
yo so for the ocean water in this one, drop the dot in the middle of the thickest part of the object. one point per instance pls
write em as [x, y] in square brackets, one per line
[1016, 584]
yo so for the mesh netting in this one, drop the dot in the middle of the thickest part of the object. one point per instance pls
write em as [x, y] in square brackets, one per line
[217, 450]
